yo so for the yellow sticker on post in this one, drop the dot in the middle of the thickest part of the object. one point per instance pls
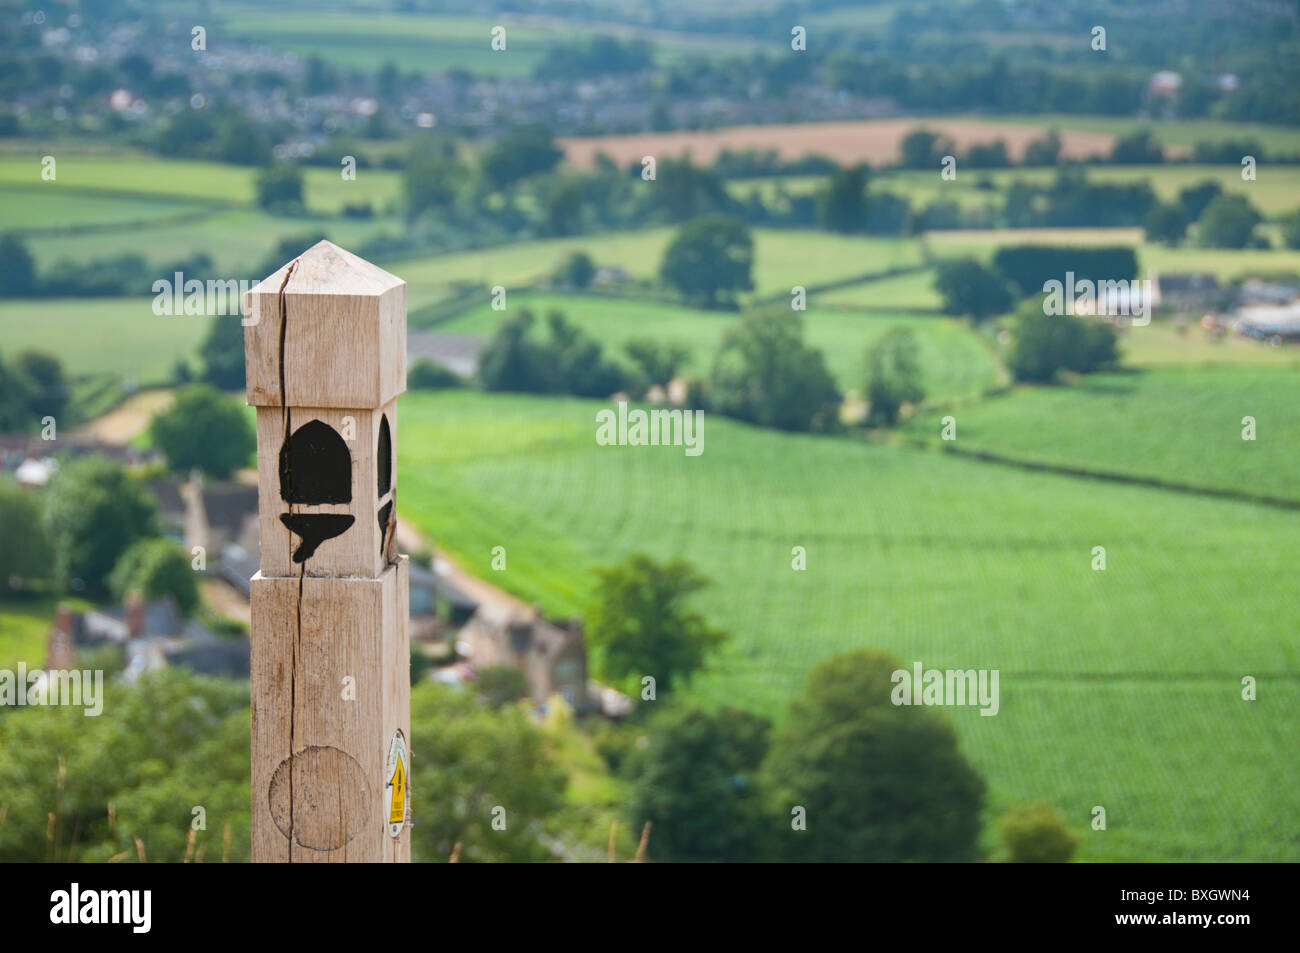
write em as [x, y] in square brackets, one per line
[396, 773]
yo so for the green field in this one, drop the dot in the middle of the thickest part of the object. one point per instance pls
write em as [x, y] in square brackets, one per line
[1179, 425]
[163, 209]
[913, 291]
[119, 336]
[1225, 263]
[122, 335]
[217, 184]
[1171, 132]
[1274, 191]
[438, 43]
[33, 211]
[1119, 688]
[24, 629]
[238, 241]
[957, 362]
[782, 259]
[1164, 344]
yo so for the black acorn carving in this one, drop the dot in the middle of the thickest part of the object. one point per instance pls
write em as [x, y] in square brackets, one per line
[315, 468]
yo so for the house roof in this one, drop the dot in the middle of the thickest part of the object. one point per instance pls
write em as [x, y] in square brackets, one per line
[214, 656]
[161, 617]
[444, 589]
[228, 505]
[1188, 282]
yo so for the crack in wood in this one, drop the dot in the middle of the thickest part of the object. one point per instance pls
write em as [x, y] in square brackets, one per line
[293, 654]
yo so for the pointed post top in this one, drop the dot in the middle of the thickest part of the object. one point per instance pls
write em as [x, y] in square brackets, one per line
[327, 329]
[325, 268]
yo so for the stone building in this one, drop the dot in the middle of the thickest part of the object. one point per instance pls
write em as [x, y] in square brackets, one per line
[552, 657]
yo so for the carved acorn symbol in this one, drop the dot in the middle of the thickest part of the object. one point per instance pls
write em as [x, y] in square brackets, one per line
[315, 468]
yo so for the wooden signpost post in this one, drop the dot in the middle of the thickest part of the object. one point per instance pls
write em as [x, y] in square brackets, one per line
[325, 351]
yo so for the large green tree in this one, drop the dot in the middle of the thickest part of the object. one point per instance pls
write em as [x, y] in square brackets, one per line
[17, 268]
[1291, 229]
[203, 429]
[641, 624]
[467, 760]
[696, 783]
[842, 205]
[95, 511]
[709, 260]
[876, 781]
[32, 387]
[48, 388]
[765, 374]
[1166, 223]
[434, 180]
[156, 568]
[972, 289]
[1228, 222]
[279, 188]
[523, 151]
[893, 375]
[20, 519]
[222, 351]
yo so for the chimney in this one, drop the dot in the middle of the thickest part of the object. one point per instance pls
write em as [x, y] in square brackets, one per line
[59, 653]
[194, 521]
[133, 614]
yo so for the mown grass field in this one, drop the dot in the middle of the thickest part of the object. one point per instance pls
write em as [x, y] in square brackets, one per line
[1119, 688]
[238, 240]
[782, 259]
[913, 291]
[119, 336]
[33, 211]
[213, 183]
[164, 209]
[957, 362]
[1180, 425]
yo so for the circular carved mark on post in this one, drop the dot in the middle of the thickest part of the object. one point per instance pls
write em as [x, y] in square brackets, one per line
[330, 798]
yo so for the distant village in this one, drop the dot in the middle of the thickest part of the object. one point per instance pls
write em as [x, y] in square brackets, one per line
[454, 633]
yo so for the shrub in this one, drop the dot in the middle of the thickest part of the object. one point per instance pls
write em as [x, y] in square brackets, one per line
[1034, 833]
[576, 271]
[425, 374]
[1027, 267]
